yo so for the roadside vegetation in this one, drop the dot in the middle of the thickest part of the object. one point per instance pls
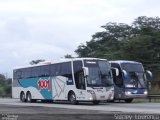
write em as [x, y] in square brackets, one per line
[139, 41]
[5, 86]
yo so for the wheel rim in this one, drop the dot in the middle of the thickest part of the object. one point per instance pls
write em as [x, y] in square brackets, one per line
[73, 98]
[22, 97]
[29, 97]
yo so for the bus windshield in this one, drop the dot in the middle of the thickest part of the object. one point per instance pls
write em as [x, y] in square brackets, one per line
[136, 76]
[99, 73]
[132, 67]
[136, 80]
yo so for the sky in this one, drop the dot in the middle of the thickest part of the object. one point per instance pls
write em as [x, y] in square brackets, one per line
[50, 29]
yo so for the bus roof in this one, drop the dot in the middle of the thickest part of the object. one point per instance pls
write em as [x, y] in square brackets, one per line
[124, 61]
[74, 59]
[60, 61]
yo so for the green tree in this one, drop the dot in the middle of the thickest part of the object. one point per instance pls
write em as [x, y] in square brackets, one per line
[106, 44]
[68, 56]
[5, 86]
[139, 41]
[2, 79]
[33, 62]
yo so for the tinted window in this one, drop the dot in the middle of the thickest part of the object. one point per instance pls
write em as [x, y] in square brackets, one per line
[66, 68]
[35, 71]
[28, 73]
[77, 66]
[130, 67]
[44, 70]
[61, 69]
[118, 80]
[79, 75]
[17, 74]
[25, 73]
[53, 70]
[104, 67]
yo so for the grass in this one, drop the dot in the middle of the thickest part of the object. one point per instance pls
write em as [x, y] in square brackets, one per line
[143, 100]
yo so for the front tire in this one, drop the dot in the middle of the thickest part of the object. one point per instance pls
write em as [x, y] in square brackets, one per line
[110, 101]
[72, 99]
[96, 102]
[128, 100]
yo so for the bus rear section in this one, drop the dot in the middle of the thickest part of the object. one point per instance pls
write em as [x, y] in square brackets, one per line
[74, 80]
[131, 82]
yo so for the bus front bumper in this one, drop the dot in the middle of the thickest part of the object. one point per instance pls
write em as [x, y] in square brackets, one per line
[136, 93]
[101, 96]
[133, 95]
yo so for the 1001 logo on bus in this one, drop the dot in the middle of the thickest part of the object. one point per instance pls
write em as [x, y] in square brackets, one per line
[44, 84]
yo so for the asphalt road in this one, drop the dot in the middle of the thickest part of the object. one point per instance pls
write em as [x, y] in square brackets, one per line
[14, 109]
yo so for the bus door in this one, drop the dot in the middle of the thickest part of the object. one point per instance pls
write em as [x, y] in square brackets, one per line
[79, 80]
[118, 82]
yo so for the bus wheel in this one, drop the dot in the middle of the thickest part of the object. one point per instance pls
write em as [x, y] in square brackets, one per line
[22, 97]
[29, 97]
[128, 100]
[96, 102]
[110, 101]
[72, 99]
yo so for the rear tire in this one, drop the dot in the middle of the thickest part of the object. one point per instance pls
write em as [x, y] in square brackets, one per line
[29, 97]
[96, 102]
[72, 99]
[128, 100]
[22, 97]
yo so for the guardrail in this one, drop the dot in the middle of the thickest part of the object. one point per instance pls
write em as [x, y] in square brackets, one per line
[150, 97]
[153, 90]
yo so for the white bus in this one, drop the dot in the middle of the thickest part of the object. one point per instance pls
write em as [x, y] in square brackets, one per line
[74, 80]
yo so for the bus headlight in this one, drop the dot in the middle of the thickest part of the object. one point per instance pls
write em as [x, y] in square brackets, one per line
[93, 95]
[111, 96]
[145, 92]
[91, 98]
[109, 88]
[128, 93]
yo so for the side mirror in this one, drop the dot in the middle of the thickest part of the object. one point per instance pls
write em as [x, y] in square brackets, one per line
[86, 71]
[115, 71]
[150, 74]
[125, 75]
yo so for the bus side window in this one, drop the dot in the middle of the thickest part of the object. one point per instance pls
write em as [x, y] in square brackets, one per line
[118, 80]
[66, 70]
[44, 71]
[28, 73]
[79, 75]
[17, 74]
[23, 75]
[35, 71]
[81, 80]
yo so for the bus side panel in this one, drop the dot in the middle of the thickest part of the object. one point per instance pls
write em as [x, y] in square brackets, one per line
[40, 88]
[34, 92]
[60, 87]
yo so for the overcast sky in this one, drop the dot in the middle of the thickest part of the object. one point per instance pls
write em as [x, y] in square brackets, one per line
[50, 29]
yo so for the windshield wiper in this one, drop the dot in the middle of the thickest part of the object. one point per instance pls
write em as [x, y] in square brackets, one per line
[137, 79]
[140, 82]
